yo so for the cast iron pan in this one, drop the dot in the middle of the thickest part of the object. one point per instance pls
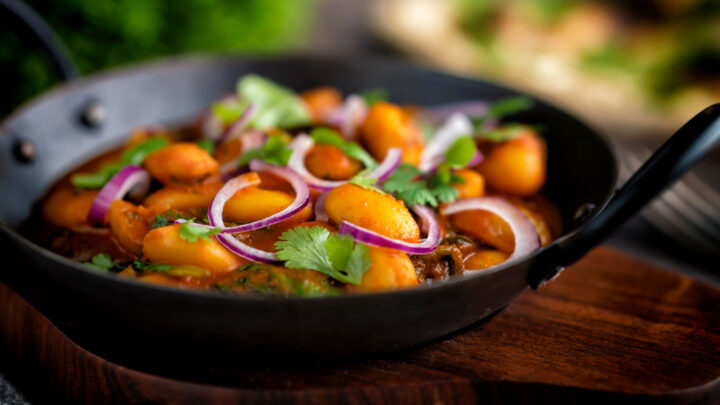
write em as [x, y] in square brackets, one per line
[64, 127]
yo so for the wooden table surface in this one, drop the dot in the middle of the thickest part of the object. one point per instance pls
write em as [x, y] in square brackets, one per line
[609, 328]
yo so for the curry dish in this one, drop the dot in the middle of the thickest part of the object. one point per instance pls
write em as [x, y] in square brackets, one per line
[310, 194]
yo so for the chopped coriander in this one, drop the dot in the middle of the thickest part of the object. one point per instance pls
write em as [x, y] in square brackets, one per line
[228, 111]
[327, 136]
[372, 96]
[277, 106]
[317, 249]
[190, 231]
[221, 287]
[252, 267]
[274, 151]
[207, 145]
[137, 154]
[502, 133]
[368, 183]
[508, 106]
[132, 156]
[97, 179]
[167, 218]
[460, 153]
[101, 261]
[413, 187]
[145, 266]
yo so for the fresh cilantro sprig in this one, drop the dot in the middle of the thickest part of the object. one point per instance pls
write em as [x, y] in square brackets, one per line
[369, 183]
[327, 136]
[276, 106]
[133, 156]
[274, 151]
[191, 232]
[498, 110]
[317, 249]
[414, 187]
[228, 111]
[372, 96]
[167, 218]
[158, 268]
[207, 145]
[102, 262]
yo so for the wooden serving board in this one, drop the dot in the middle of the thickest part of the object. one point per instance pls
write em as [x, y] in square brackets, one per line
[609, 328]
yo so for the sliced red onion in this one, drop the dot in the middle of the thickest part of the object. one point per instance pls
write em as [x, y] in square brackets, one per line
[235, 129]
[131, 177]
[526, 236]
[320, 213]
[211, 127]
[251, 139]
[457, 126]
[476, 159]
[439, 114]
[369, 237]
[302, 198]
[302, 144]
[349, 116]
[239, 248]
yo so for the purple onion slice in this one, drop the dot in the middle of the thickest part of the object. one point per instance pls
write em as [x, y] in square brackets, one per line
[428, 245]
[456, 126]
[302, 198]
[235, 129]
[349, 116]
[526, 236]
[302, 144]
[131, 177]
[320, 213]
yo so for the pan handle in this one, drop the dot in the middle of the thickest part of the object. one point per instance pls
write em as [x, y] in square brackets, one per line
[676, 156]
[55, 49]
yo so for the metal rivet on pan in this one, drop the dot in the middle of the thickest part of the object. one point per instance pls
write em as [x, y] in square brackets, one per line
[24, 151]
[583, 212]
[93, 114]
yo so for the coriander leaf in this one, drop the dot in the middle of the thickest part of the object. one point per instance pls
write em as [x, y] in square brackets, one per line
[137, 154]
[97, 179]
[445, 193]
[274, 151]
[327, 136]
[353, 259]
[228, 111]
[145, 266]
[167, 218]
[190, 231]
[372, 96]
[461, 152]
[316, 249]
[501, 134]
[207, 145]
[277, 106]
[101, 261]
[368, 183]
[508, 106]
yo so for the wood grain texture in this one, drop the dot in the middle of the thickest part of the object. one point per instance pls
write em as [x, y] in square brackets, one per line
[608, 329]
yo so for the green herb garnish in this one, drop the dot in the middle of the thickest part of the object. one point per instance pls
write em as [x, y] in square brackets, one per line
[277, 106]
[372, 96]
[274, 151]
[207, 145]
[317, 249]
[101, 261]
[327, 136]
[413, 187]
[228, 112]
[190, 231]
[369, 183]
[132, 156]
[167, 218]
[145, 266]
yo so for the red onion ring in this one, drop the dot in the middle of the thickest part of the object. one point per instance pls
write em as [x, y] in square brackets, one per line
[369, 237]
[302, 144]
[526, 236]
[320, 213]
[236, 127]
[211, 127]
[349, 116]
[251, 139]
[456, 126]
[128, 178]
[302, 198]
[476, 159]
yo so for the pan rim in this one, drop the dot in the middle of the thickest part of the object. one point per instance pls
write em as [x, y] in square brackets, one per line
[203, 58]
